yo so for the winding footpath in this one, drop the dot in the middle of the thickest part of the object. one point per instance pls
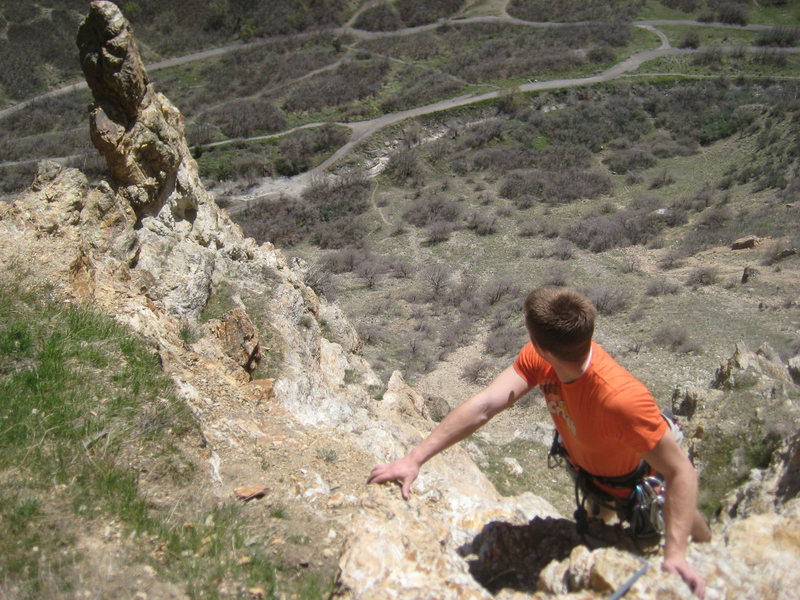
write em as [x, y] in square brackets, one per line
[362, 130]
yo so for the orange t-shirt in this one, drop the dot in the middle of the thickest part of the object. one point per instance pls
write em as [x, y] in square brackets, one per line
[606, 418]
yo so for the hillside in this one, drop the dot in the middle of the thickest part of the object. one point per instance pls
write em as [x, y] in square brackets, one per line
[424, 236]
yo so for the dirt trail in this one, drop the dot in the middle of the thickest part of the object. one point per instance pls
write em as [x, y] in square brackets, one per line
[362, 130]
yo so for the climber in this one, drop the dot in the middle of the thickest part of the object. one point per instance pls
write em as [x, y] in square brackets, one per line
[606, 419]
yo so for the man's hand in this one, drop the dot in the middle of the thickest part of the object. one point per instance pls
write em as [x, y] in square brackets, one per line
[404, 470]
[685, 570]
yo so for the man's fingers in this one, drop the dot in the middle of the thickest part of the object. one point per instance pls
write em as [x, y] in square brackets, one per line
[692, 579]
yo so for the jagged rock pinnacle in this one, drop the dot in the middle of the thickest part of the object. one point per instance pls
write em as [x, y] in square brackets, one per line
[138, 131]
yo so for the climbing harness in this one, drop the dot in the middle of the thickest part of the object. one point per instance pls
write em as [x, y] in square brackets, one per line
[642, 508]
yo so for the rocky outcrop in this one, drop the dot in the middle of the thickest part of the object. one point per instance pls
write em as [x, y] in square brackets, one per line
[239, 332]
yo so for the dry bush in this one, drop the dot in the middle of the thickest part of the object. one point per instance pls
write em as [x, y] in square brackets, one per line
[297, 150]
[672, 260]
[732, 13]
[328, 214]
[505, 342]
[556, 275]
[242, 118]
[640, 223]
[431, 208]
[555, 187]
[370, 333]
[780, 249]
[630, 159]
[419, 87]
[779, 36]
[478, 370]
[630, 264]
[702, 276]
[371, 270]
[563, 250]
[502, 158]
[438, 232]
[608, 300]
[771, 58]
[690, 40]
[500, 288]
[528, 229]
[571, 10]
[708, 56]
[697, 202]
[662, 287]
[323, 282]
[349, 82]
[482, 223]
[381, 17]
[677, 338]
[661, 180]
[403, 163]
[438, 277]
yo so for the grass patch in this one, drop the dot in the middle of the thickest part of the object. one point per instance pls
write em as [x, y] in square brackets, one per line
[219, 303]
[81, 394]
[709, 36]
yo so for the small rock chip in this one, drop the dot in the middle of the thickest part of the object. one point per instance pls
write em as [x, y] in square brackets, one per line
[248, 492]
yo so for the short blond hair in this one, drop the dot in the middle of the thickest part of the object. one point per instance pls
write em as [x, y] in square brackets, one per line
[561, 321]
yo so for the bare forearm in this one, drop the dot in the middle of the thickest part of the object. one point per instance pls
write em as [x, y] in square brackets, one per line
[456, 426]
[679, 510]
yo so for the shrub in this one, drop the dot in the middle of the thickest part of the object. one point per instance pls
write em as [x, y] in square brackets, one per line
[242, 118]
[556, 275]
[350, 81]
[682, 5]
[671, 260]
[601, 53]
[505, 341]
[703, 276]
[438, 277]
[430, 208]
[690, 40]
[732, 13]
[403, 163]
[500, 288]
[622, 161]
[779, 36]
[327, 214]
[482, 223]
[477, 370]
[780, 249]
[675, 337]
[555, 187]
[562, 250]
[370, 270]
[528, 229]
[661, 180]
[420, 12]
[608, 300]
[661, 287]
[439, 231]
[381, 17]
[639, 224]
[709, 56]
[771, 58]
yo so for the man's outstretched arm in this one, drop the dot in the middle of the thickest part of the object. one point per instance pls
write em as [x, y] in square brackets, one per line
[681, 516]
[462, 422]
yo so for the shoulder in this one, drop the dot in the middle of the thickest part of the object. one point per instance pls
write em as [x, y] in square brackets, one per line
[529, 364]
[611, 372]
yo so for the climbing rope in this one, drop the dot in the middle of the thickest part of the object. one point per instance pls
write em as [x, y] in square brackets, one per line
[631, 580]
